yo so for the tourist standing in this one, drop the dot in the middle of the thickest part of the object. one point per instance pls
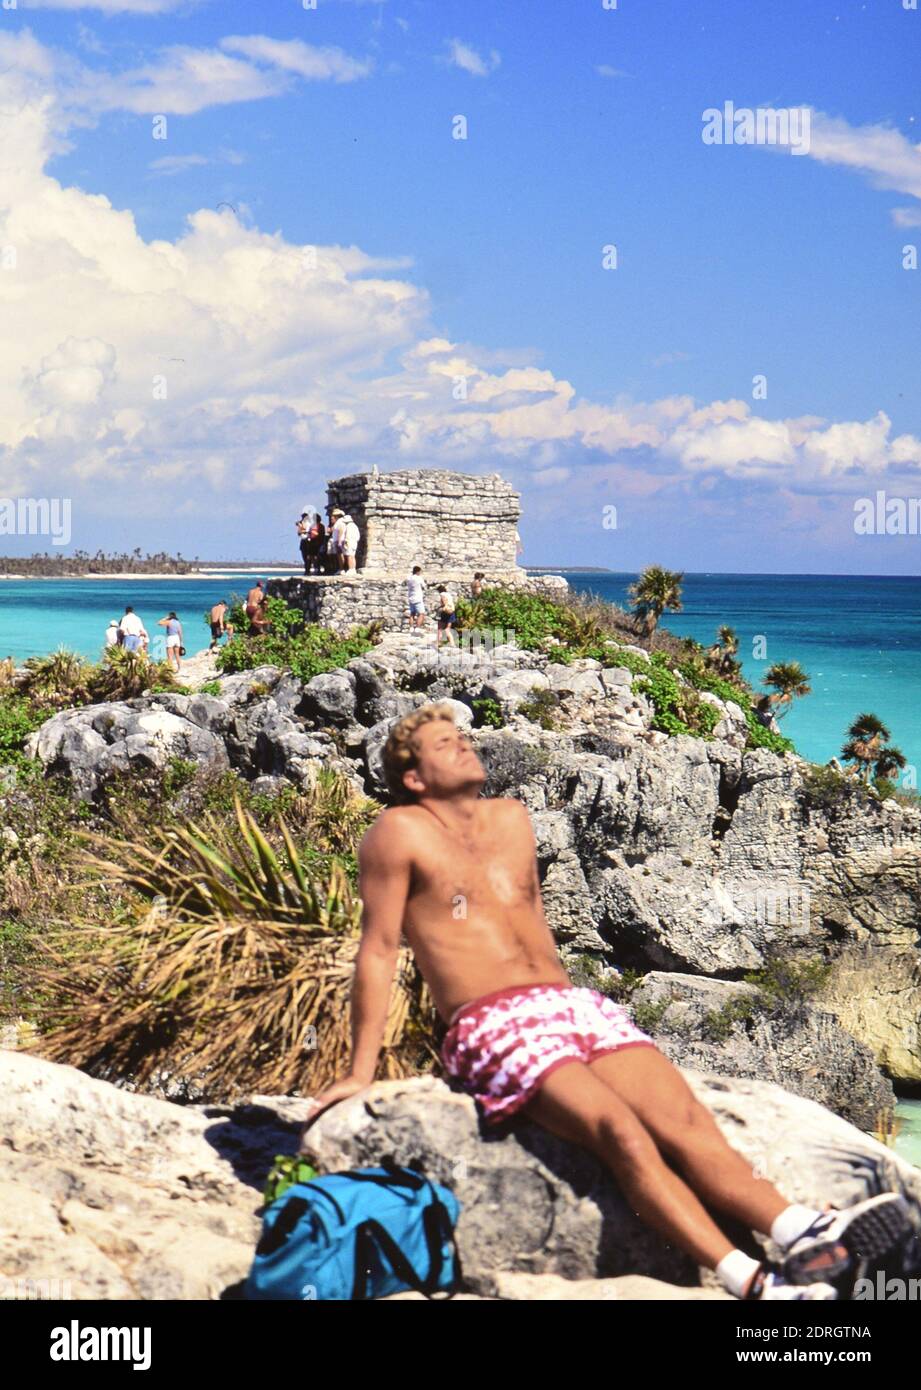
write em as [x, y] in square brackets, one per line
[255, 610]
[348, 549]
[217, 618]
[334, 544]
[302, 526]
[415, 597]
[316, 544]
[476, 588]
[112, 634]
[133, 631]
[447, 617]
[174, 647]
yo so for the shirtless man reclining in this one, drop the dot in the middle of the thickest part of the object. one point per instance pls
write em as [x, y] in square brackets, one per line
[457, 873]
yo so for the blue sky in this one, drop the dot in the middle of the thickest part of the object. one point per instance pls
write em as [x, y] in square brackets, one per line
[439, 260]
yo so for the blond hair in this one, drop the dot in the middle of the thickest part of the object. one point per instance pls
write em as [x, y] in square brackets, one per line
[400, 753]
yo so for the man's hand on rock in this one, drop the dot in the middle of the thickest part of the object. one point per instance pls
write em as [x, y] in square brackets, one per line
[339, 1090]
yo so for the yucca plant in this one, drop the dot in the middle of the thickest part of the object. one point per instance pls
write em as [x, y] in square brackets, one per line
[58, 680]
[236, 973]
[338, 815]
[124, 675]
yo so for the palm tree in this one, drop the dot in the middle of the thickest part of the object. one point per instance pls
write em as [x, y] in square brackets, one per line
[789, 681]
[868, 748]
[723, 651]
[655, 591]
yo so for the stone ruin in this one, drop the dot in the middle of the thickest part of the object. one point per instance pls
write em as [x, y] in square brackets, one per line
[452, 524]
[449, 523]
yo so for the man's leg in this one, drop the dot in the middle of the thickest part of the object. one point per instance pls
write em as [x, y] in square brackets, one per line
[685, 1131]
[577, 1105]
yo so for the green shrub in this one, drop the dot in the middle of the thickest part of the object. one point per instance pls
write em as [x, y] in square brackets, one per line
[719, 1023]
[487, 711]
[542, 707]
[647, 1017]
[18, 719]
[825, 788]
[306, 650]
[790, 981]
[210, 688]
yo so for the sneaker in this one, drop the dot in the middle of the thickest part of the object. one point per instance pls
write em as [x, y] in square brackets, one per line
[837, 1243]
[769, 1285]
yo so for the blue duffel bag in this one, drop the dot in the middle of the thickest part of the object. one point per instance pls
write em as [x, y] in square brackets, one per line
[360, 1234]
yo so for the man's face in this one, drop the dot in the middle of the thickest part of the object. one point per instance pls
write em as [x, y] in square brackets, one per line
[445, 761]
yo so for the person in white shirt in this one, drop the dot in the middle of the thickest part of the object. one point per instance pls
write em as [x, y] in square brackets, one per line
[112, 633]
[334, 543]
[348, 546]
[133, 631]
[415, 597]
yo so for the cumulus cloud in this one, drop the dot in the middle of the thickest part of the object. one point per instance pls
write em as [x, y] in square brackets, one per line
[231, 364]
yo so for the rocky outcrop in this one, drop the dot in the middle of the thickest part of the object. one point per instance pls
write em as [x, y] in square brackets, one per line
[535, 1205]
[735, 1029]
[655, 852]
[105, 1194]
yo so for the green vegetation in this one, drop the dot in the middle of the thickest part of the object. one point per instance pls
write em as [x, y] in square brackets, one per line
[573, 626]
[304, 649]
[647, 1017]
[655, 592]
[790, 981]
[488, 712]
[718, 1024]
[286, 1170]
[541, 707]
[869, 750]
[790, 682]
[170, 933]
[210, 688]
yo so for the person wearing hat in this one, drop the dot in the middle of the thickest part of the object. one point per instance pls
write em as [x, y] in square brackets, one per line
[112, 634]
[336, 538]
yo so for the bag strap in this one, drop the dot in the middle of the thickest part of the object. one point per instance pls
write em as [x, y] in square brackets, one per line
[273, 1237]
[370, 1234]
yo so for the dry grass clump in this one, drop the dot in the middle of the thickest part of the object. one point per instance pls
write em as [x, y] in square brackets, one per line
[234, 973]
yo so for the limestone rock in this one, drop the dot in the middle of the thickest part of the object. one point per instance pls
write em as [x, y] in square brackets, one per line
[534, 1205]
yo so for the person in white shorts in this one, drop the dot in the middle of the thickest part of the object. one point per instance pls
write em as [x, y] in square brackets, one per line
[173, 638]
[349, 546]
[415, 597]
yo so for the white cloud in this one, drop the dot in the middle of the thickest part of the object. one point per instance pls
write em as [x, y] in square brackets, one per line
[176, 163]
[887, 157]
[605, 70]
[293, 55]
[461, 55]
[230, 361]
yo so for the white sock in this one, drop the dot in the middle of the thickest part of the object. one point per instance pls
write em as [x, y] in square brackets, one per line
[736, 1270]
[791, 1223]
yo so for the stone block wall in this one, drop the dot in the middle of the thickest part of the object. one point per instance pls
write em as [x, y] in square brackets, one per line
[350, 602]
[454, 522]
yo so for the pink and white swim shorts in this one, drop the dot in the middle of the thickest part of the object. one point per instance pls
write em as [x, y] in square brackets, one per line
[502, 1047]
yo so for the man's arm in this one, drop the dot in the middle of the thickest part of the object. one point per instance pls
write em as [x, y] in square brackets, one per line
[385, 868]
[384, 877]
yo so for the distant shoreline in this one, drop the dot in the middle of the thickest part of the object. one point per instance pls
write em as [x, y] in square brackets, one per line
[130, 576]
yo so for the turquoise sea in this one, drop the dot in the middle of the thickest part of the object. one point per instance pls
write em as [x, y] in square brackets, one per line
[858, 638]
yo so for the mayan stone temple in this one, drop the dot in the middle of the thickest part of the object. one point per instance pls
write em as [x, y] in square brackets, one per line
[452, 524]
